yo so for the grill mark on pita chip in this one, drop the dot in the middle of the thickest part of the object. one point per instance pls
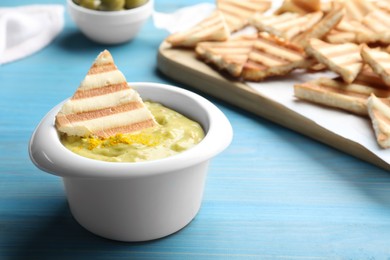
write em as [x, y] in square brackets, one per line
[80, 94]
[127, 129]
[251, 65]
[93, 114]
[279, 47]
[266, 59]
[97, 69]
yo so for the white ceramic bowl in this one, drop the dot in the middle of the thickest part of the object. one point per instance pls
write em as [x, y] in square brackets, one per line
[110, 27]
[143, 200]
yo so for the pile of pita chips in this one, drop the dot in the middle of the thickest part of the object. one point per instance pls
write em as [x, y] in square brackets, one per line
[276, 49]
[103, 105]
[348, 37]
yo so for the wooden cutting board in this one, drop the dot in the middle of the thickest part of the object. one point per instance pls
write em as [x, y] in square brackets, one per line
[183, 66]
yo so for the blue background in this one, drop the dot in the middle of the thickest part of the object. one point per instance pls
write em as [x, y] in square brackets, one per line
[273, 194]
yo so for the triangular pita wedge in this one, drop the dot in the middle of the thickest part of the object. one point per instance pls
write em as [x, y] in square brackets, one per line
[322, 28]
[357, 9]
[379, 112]
[379, 61]
[230, 55]
[338, 94]
[212, 28]
[343, 59]
[103, 105]
[286, 25]
[378, 24]
[237, 12]
[272, 56]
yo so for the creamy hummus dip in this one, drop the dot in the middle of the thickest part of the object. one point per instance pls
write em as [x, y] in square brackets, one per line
[173, 134]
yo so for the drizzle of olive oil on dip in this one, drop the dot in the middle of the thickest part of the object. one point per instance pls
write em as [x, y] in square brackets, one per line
[173, 134]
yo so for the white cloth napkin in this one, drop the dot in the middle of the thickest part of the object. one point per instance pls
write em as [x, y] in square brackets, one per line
[27, 29]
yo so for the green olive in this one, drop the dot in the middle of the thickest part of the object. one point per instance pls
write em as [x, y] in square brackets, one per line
[90, 4]
[134, 3]
[112, 5]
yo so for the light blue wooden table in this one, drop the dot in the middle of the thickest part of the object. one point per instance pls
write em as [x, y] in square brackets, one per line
[273, 194]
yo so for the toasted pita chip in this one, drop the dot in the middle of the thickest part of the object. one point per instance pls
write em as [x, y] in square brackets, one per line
[379, 112]
[237, 12]
[379, 61]
[343, 59]
[286, 25]
[357, 9]
[322, 28]
[347, 31]
[378, 24]
[212, 28]
[382, 37]
[273, 56]
[338, 37]
[356, 25]
[230, 55]
[104, 104]
[339, 94]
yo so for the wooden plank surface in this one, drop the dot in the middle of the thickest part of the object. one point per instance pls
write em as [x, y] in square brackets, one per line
[183, 66]
[273, 194]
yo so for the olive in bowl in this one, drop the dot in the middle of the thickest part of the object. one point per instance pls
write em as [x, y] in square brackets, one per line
[107, 22]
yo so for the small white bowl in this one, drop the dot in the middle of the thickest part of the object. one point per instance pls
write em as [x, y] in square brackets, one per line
[143, 200]
[110, 27]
